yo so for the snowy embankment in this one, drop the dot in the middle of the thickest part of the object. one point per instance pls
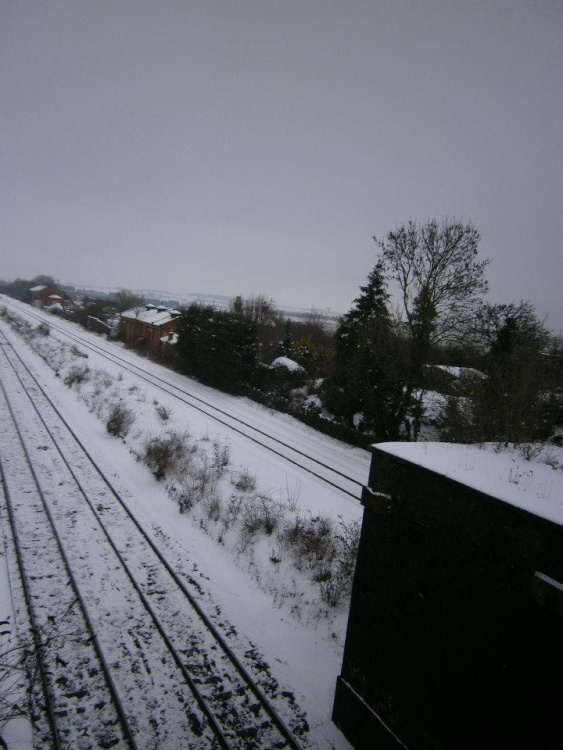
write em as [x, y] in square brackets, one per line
[275, 548]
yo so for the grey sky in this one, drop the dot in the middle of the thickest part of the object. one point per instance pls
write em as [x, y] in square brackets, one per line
[247, 147]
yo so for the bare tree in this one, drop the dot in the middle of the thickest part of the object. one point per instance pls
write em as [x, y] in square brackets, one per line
[126, 300]
[440, 279]
[259, 308]
[262, 311]
[441, 283]
[510, 404]
[43, 279]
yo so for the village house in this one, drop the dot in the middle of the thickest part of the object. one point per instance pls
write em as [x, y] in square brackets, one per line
[44, 295]
[154, 327]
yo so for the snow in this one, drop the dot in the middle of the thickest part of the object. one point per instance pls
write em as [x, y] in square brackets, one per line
[460, 372]
[272, 604]
[151, 314]
[171, 338]
[528, 477]
[17, 732]
[289, 364]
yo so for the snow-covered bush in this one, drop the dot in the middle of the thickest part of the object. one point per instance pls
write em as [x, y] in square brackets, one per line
[243, 480]
[119, 419]
[163, 412]
[263, 529]
[165, 452]
[76, 374]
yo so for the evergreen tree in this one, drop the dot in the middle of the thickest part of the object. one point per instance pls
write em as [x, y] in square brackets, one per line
[217, 346]
[366, 379]
[284, 348]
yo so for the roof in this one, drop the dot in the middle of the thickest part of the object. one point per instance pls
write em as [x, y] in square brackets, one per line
[150, 315]
[39, 288]
[529, 477]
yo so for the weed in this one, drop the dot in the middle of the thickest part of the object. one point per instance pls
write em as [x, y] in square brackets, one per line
[205, 475]
[251, 521]
[213, 507]
[531, 451]
[186, 497]
[165, 452]
[290, 494]
[270, 514]
[243, 480]
[221, 456]
[163, 412]
[119, 420]
[77, 375]
[233, 510]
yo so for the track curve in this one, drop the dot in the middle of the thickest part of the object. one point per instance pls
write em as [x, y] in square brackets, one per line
[220, 703]
[222, 408]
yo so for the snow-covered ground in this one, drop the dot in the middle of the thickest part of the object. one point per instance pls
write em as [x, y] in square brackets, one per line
[262, 588]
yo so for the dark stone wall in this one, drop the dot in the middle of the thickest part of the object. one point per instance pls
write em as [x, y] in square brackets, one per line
[455, 631]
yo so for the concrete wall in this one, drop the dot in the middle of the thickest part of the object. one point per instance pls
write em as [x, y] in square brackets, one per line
[455, 631]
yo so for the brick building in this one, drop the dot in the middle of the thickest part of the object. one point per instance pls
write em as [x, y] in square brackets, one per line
[150, 326]
[44, 295]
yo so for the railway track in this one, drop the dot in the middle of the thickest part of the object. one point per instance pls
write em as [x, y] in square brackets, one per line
[222, 410]
[127, 656]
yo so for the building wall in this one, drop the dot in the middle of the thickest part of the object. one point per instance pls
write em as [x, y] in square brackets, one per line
[137, 332]
[454, 635]
[134, 331]
[41, 297]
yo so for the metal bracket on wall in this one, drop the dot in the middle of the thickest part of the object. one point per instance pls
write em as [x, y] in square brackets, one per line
[379, 502]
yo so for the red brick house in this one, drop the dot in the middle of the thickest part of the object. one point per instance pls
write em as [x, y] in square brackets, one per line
[44, 295]
[150, 326]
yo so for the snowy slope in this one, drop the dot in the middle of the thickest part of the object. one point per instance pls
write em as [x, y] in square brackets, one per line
[271, 604]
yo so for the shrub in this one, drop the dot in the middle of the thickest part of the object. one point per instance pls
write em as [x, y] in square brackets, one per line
[328, 554]
[290, 494]
[205, 476]
[338, 583]
[185, 496]
[271, 514]
[76, 375]
[221, 457]
[233, 510]
[312, 541]
[165, 452]
[213, 507]
[243, 480]
[119, 420]
[163, 412]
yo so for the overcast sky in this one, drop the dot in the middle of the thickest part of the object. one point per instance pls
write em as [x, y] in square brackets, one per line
[256, 147]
